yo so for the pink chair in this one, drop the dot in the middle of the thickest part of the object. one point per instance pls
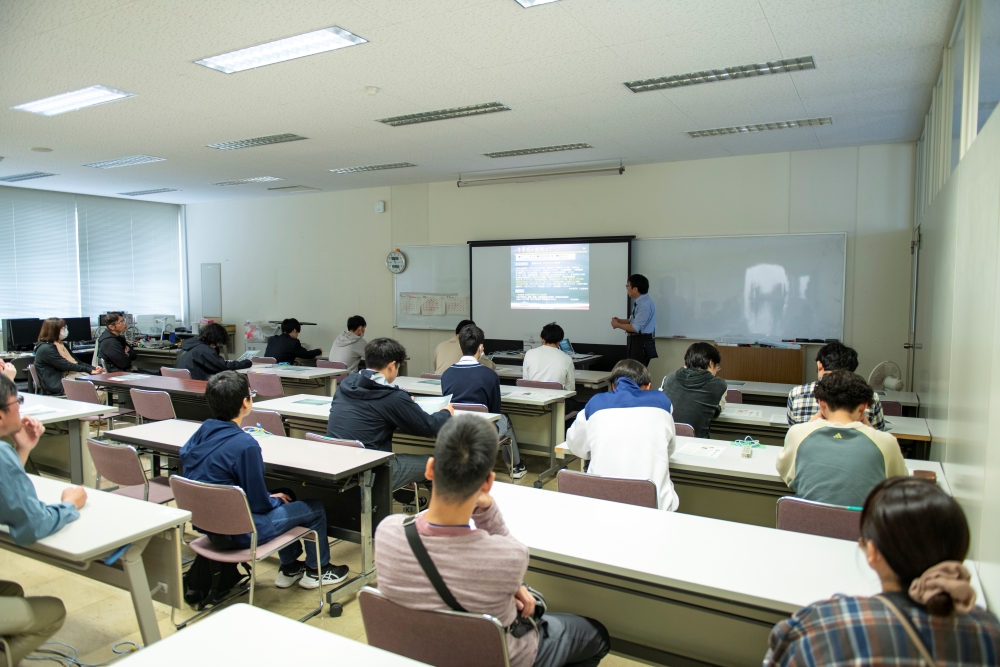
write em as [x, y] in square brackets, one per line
[36, 386]
[641, 492]
[505, 442]
[179, 373]
[263, 360]
[267, 385]
[806, 516]
[266, 419]
[440, 638]
[316, 437]
[684, 429]
[734, 396]
[425, 376]
[119, 464]
[539, 384]
[152, 405]
[323, 363]
[892, 408]
[85, 392]
[223, 509]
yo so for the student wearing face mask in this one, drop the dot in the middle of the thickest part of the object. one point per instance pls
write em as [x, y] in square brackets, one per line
[53, 361]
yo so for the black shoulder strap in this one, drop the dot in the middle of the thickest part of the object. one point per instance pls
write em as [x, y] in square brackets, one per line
[424, 558]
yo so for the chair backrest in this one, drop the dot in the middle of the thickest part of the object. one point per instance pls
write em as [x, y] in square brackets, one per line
[35, 384]
[539, 384]
[81, 390]
[316, 437]
[805, 516]
[119, 464]
[430, 376]
[215, 508]
[179, 373]
[154, 405]
[892, 408]
[734, 396]
[323, 363]
[263, 360]
[266, 384]
[641, 492]
[268, 420]
[470, 407]
[684, 429]
[438, 638]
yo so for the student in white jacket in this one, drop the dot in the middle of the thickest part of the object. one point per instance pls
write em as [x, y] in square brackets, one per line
[349, 347]
[627, 432]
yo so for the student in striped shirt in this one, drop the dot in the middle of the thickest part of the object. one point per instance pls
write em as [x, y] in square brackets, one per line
[915, 537]
[802, 403]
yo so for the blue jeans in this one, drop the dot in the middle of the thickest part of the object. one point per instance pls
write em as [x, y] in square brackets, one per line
[305, 513]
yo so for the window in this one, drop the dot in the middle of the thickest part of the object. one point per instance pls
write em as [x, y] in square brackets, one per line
[989, 60]
[958, 74]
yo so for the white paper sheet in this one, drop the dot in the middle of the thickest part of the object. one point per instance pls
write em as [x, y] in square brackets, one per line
[432, 404]
[779, 419]
[743, 413]
[702, 449]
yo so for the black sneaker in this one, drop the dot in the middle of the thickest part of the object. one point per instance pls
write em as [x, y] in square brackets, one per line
[332, 574]
[289, 574]
[520, 470]
[405, 497]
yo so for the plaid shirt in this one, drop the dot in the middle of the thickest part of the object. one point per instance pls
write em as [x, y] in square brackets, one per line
[802, 405]
[861, 632]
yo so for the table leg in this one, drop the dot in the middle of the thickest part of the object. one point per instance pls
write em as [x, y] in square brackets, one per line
[331, 385]
[76, 440]
[557, 434]
[367, 574]
[138, 585]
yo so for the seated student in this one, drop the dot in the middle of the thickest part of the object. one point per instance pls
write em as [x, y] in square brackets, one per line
[481, 564]
[627, 432]
[468, 381]
[802, 405]
[448, 352]
[695, 391]
[201, 355]
[835, 458]
[349, 347]
[547, 363]
[26, 623]
[915, 537]
[53, 361]
[112, 348]
[368, 407]
[286, 348]
[220, 452]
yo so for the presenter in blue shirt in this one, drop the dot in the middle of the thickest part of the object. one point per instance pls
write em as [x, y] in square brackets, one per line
[641, 326]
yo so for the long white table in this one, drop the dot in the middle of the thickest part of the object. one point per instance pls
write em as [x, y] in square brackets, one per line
[54, 410]
[318, 470]
[777, 393]
[149, 534]
[537, 415]
[596, 380]
[245, 635]
[672, 587]
[301, 378]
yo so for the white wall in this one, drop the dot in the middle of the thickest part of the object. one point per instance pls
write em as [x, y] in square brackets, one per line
[320, 257]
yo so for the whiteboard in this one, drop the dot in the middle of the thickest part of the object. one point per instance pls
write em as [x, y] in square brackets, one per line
[761, 287]
[433, 291]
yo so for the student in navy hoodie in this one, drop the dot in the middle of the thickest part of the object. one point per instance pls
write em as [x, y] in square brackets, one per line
[220, 452]
[468, 381]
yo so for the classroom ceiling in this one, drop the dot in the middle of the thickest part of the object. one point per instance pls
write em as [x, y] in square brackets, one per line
[560, 67]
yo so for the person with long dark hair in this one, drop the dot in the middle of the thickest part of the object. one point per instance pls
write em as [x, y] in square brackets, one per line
[53, 360]
[915, 537]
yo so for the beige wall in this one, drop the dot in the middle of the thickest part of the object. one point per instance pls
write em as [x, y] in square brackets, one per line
[957, 373]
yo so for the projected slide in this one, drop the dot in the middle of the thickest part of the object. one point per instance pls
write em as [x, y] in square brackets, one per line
[550, 277]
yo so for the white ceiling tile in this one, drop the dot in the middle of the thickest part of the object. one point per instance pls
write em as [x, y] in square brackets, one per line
[741, 102]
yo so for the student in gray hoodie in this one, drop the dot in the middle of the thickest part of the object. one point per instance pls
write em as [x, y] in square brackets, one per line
[698, 396]
[349, 347]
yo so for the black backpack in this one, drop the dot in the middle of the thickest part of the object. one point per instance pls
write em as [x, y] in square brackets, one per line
[208, 582]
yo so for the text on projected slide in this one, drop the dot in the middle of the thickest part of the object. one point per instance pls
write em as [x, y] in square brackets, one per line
[550, 277]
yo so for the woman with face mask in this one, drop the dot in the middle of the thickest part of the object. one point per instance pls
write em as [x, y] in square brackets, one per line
[53, 360]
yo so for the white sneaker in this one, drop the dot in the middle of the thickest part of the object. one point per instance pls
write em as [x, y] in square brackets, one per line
[289, 574]
[519, 471]
[332, 574]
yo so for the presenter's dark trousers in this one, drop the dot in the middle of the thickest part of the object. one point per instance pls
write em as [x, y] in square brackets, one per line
[637, 347]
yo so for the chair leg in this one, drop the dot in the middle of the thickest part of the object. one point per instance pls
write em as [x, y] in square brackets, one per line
[319, 565]
[253, 573]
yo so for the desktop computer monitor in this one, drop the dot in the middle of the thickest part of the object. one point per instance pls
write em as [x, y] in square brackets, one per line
[22, 334]
[79, 329]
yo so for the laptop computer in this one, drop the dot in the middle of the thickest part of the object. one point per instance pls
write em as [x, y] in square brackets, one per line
[567, 347]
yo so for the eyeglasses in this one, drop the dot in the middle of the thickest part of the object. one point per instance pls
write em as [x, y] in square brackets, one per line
[253, 393]
[18, 399]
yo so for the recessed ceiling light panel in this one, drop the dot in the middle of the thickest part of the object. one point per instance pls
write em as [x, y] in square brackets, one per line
[280, 50]
[724, 74]
[444, 114]
[139, 193]
[528, 4]
[125, 161]
[244, 181]
[373, 167]
[71, 101]
[541, 149]
[761, 127]
[256, 141]
[25, 177]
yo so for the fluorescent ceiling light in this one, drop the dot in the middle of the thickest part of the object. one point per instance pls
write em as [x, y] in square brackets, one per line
[528, 4]
[761, 127]
[244, 181]
[444, 114]
[256, 141]
[724, 74]
[77, 99]
[541, 149]
[125, 162]
[295, 188]
[25, 177]
[139, 193]
[542, 176]
[373, 167]
[280, 50]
